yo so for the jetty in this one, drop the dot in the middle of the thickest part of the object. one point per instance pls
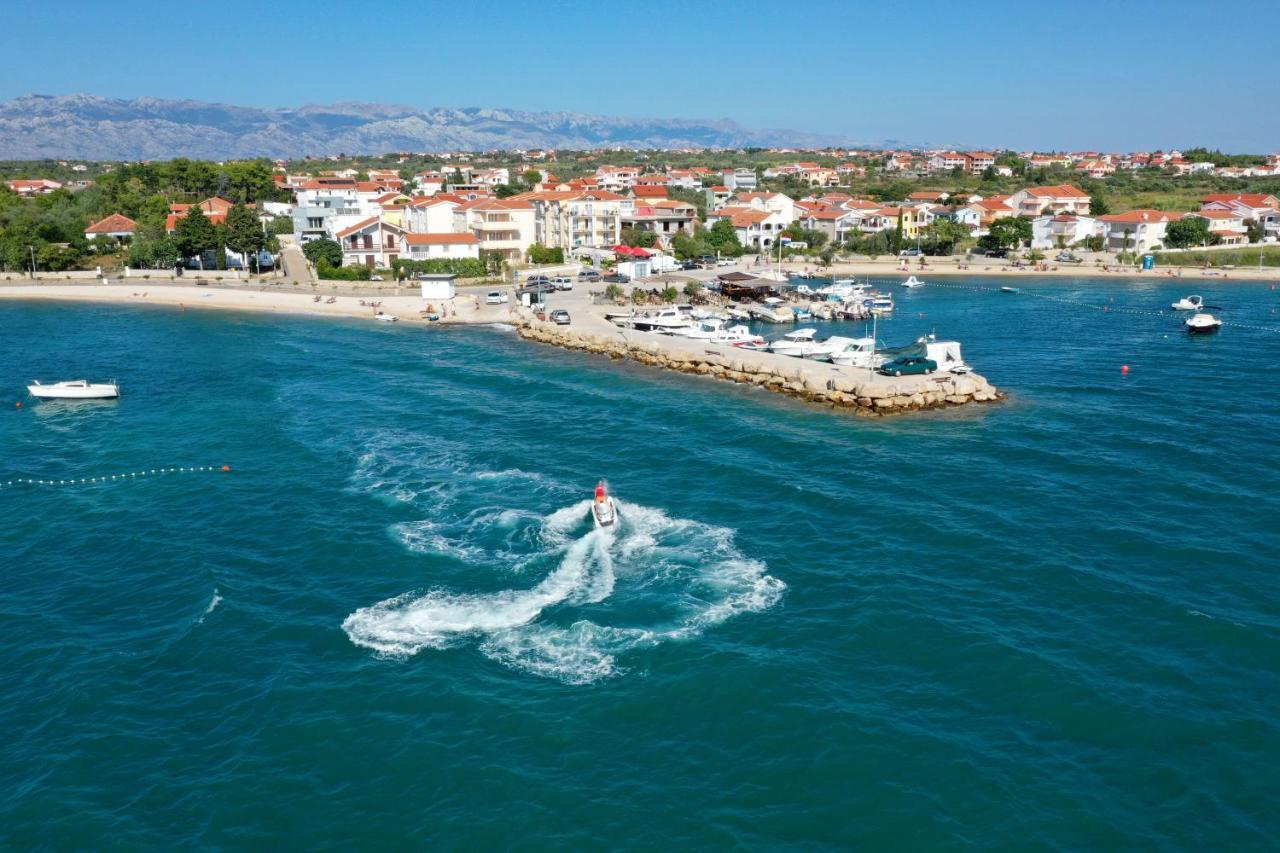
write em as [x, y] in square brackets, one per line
[858, 388]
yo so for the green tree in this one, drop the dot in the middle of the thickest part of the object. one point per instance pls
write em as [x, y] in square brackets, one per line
[941, 235]
[194, 234]
[637, 237]
[1254, 230]
[1098, 205]
[531, 177]
[723, 238]
[328, 252]
[244, 233]
[1190, 231]
[670, 294]
[692, 288]
[539, 254]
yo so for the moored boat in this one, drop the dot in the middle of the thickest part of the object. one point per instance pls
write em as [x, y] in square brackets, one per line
[912, 283]
[1188, 303]
[1202, 323]
[77, 389]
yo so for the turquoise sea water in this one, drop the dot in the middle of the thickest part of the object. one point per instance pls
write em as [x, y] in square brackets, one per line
[1050, 623]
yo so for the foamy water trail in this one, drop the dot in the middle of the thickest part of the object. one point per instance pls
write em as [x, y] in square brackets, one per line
[690, 574]
[213, 605]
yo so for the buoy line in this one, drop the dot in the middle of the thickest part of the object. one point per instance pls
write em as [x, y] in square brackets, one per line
[108, 478]
[1109, 309]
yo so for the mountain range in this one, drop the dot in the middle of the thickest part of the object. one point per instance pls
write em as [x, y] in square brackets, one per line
[89, 127]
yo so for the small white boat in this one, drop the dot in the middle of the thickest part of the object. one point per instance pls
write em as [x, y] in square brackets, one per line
[913, 283]
[604, 512]
[1188, 303]
[78, 389]
[795, 343]
[880, 304]
[1007, 289]
[858, 352]
[665, 321]
[824, 350]
[1202, 323]
[386, 318]
[738, 336]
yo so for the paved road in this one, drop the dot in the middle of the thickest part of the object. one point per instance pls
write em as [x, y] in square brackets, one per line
[296, 270]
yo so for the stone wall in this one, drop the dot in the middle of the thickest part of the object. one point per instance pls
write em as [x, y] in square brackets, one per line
[878, 395]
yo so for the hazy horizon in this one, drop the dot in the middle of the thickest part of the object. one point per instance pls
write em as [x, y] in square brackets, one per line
[1017, 77]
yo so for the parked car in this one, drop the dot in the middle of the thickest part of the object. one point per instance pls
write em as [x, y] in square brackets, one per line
[909, 253]
[495, 297]
[589, 275]
[909, 365]
[537, 279]
[562, 282]
[690, 265]
[1068, 258]
[616, 278]
[726, 262]
[560, 317]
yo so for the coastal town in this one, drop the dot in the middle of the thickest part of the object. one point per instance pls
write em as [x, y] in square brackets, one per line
[487, 214]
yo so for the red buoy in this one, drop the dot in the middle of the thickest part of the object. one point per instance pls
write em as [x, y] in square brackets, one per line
[18, 405]
[226, 468]
[1124, 368]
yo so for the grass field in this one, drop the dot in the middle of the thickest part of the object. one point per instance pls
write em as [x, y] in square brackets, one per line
[1244, 257]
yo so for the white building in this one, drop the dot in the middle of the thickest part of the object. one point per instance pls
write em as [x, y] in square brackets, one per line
[1136, 230]
[1061, 231]
[424, 247]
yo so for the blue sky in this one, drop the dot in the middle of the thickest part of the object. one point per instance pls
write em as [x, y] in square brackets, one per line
[1125, 75]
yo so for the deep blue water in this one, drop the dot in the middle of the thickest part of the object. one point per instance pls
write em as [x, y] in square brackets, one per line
[1049, 623]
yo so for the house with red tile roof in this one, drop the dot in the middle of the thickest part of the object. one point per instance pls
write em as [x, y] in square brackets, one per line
[1136, 230]
[1227, 226]
[116, 225]
[1248, 205]
[757, 228]
[422, 247]
[1060, 198]
[27, 188]
[373, 242]
[649, 191]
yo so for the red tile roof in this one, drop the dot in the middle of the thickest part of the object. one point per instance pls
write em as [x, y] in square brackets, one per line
[116, 223]
[440, 239]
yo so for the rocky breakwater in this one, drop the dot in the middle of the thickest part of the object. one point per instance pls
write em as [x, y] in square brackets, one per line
[855, 388]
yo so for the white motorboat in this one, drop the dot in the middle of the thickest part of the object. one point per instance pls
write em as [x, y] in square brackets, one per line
[1188, 303]
[604, 512]
[824, 350]
[858, 352]
[1202, 323]
[880, 304]
[664, 321]
[770, 314]
[386, 318]
[702, 330]
[738, 336]
[913, 283]
[795, 343]
[78, 389]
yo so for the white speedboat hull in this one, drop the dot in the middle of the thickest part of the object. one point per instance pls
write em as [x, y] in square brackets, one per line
[604, 513]
[79, 390]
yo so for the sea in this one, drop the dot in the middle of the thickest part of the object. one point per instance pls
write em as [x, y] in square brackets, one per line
[329, 584]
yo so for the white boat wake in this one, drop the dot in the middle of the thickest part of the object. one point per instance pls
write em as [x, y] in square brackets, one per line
[602, 594]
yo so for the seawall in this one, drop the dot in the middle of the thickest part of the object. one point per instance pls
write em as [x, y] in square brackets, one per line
[854, 388]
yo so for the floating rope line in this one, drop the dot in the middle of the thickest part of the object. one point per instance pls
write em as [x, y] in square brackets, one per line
[108, 478]
[1109, 309]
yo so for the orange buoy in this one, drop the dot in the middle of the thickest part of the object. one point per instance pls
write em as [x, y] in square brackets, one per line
[1124, 368]
[226, 468]
[18, 405]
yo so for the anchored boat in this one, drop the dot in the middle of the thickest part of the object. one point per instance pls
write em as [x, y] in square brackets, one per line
[1202, 323]
[1188, 303]
[78, 389]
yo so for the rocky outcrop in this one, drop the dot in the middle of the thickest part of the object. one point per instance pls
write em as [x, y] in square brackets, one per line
[874, 396]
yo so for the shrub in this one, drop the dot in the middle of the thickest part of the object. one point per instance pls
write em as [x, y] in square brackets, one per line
[355, 273]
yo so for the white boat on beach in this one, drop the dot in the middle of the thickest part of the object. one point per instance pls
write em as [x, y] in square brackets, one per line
[1188, 303]
[913, 283]
[78, 389]
[386, 318]
[771, 313]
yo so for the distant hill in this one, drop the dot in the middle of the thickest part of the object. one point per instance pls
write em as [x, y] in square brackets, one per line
[88, 127]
